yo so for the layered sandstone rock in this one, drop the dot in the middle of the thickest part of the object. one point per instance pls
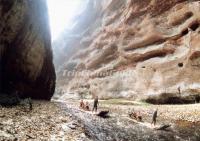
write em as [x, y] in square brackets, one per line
[151, 48]
[25, 49]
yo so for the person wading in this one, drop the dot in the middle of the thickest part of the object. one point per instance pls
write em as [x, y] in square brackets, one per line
[155, 114]
[96, 102]
[30, 104]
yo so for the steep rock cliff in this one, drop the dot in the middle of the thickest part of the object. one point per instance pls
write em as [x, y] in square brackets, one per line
[25, 49]
[147, 50]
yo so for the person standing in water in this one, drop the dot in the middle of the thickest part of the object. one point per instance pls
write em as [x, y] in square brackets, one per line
[96, 102]
[155, 114]
[179, 90]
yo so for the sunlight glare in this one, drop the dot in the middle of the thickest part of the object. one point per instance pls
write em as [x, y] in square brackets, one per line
[61, 14]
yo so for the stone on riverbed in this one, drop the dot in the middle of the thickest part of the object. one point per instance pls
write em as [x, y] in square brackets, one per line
[163, 127]
[103, 114]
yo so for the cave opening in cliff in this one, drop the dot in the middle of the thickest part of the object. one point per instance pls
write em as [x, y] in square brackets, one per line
[62, 15]
[180, 65]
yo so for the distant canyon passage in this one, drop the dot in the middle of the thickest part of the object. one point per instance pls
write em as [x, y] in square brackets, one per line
[159, 41]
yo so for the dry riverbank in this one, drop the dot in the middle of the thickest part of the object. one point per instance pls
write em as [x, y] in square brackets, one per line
[45, 122]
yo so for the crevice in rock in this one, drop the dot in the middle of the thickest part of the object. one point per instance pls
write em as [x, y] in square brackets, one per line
[180, 19]
[194, 26]
[189, 14]
[146, 41]
[139, 57]
[184, 32]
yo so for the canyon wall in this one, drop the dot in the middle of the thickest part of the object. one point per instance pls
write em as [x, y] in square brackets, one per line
[141, 50]
[25, 49]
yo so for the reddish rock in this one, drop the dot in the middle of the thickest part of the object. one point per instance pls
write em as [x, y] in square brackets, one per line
[158, 41]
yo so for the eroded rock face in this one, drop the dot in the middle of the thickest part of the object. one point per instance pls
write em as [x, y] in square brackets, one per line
[153, 43]
[25, 49]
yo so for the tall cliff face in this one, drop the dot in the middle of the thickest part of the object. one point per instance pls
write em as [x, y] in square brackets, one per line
[25, 49]
[137, 49]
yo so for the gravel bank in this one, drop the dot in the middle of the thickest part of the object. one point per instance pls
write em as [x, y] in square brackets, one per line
[45, 122]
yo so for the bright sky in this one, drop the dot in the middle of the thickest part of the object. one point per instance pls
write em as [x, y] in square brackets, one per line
[61, 13]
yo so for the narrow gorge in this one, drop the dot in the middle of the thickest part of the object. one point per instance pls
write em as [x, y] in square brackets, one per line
[99, 70]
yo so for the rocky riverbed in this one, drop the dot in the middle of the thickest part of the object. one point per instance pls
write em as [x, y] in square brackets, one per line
[184, 121]
[63, 120]
[45, 122]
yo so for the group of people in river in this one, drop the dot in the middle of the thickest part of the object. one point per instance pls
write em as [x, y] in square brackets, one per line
[134, 115]
[86, 106]
[137, 116]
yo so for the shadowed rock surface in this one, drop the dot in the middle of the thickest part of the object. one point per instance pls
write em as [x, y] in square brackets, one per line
[26, 63]
[9, 100]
